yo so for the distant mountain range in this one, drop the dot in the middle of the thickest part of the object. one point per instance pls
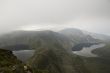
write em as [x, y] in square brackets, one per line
[67, 38]
[77, 36]
[53, 50]
[102, 37]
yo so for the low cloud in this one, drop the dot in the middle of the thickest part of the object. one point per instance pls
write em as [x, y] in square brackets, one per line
[90, 15]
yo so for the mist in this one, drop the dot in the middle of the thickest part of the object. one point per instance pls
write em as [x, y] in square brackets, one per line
[89, 15]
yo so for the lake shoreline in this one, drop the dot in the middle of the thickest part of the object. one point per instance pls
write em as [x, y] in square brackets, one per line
[87, 51]
[23, 55]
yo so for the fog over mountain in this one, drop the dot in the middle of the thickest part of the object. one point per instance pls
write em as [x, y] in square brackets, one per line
[54, 36]
[89, 15]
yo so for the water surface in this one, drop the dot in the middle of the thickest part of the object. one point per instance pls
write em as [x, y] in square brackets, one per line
[23, 55]
[87, 51]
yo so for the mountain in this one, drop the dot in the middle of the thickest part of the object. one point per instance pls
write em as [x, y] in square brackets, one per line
[33, 39]
[102, 37]
[77, 36]
[53, 51]
[8, 61]
[103, 52]
[55, 59]
[97, 64]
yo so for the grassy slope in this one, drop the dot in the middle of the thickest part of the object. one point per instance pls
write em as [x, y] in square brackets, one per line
[103, 52]
[97, 65]
[55, 59]
[7, 61]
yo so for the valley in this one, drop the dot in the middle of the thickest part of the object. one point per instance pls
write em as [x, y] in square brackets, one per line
[87, 51]
[24, 55]
[66, 51]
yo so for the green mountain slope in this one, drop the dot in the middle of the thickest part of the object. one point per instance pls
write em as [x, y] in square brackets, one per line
[97, 64]
[103, 52]
[77, 36]
[34, 39]
[67, 38]
[8, 61]
[53, 51]
[56, 59]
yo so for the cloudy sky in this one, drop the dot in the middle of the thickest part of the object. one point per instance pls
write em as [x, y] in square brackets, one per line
[89, 15]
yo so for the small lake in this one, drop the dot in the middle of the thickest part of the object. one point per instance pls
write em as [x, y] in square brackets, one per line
[87, 51]
[23, 55]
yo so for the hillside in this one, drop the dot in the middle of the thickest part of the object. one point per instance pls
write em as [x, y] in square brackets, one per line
[33, 39]
[8, 61]
[55, 59]
[103, 52]
[77, 36]
[53, 51]
[101, 37]
[97, 64]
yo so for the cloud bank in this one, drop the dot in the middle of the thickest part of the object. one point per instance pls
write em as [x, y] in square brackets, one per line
[89, 15]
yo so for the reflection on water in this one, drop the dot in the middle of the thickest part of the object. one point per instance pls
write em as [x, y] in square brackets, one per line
[24, 55]
[87, 51]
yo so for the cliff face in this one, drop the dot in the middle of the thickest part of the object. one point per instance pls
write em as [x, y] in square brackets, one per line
[8, 61]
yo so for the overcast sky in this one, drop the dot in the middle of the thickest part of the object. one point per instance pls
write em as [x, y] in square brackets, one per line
[89, 15]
